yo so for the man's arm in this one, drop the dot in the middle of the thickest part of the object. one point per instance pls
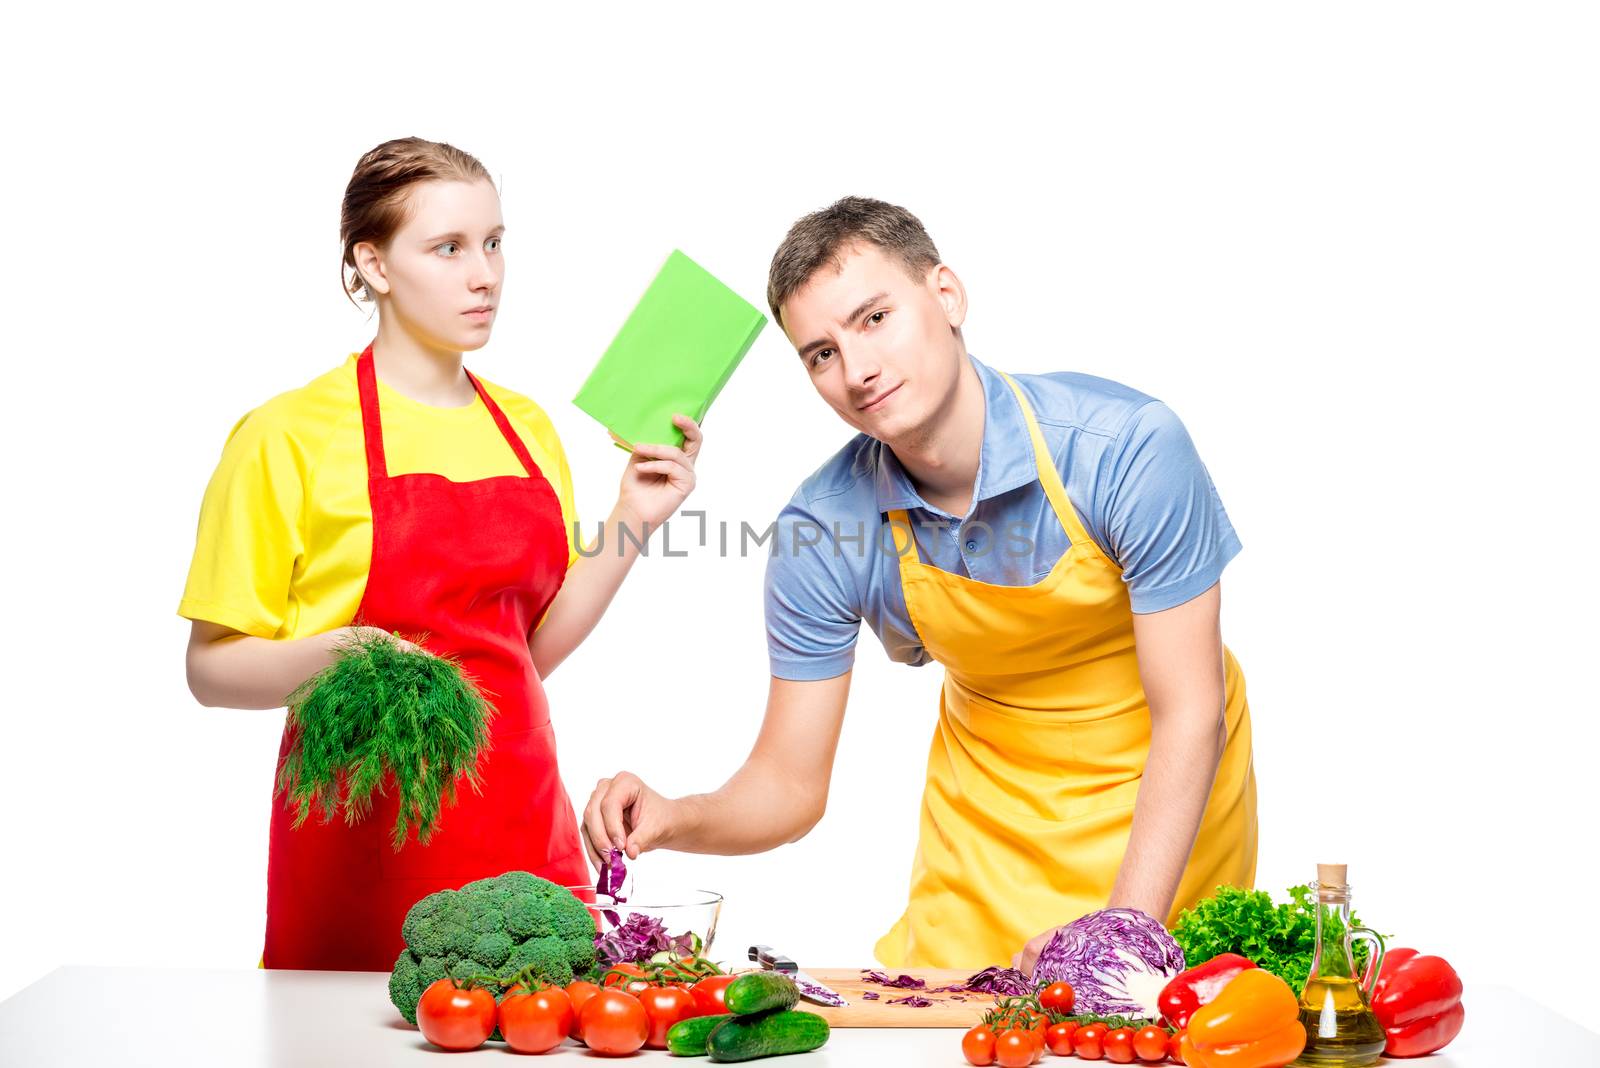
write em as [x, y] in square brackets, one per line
[1180, 664]
[776, 797]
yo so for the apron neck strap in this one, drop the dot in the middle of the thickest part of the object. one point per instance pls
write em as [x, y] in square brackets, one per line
[1049, 477]
[372, 419]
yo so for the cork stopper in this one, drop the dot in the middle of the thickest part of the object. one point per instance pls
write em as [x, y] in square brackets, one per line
[1333, 874]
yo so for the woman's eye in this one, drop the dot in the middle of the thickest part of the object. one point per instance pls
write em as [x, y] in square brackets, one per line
[451, 245]
[493, 243]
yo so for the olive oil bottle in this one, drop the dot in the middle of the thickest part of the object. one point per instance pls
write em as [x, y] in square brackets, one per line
[1336, 1007]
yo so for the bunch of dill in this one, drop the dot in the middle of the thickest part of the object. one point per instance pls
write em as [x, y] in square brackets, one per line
[381, 714]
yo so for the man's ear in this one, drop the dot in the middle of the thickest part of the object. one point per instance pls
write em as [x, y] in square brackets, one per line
[950, 293]
[369, 261]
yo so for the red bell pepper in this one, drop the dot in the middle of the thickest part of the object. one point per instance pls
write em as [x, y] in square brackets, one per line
[1198, 986]
[1418, 1002]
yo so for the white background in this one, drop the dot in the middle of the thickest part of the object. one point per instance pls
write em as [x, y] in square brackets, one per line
[1354, 246]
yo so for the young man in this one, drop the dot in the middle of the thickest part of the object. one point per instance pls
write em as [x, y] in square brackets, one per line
[1056, 543]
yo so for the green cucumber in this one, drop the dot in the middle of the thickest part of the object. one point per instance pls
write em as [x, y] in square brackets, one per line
[762, 991]
[687, 1038]
[772, 1034]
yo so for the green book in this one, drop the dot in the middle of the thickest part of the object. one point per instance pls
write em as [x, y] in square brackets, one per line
[674, 353]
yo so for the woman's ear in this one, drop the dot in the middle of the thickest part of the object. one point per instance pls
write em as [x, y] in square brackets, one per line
[369, 264]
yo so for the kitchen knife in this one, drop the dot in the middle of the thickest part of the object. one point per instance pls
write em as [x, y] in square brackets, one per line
[809, 988]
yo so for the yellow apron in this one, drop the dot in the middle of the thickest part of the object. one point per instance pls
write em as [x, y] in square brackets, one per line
[1042, 739]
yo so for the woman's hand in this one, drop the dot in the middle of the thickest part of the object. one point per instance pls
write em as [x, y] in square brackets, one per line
[659, 477]
[362, 633]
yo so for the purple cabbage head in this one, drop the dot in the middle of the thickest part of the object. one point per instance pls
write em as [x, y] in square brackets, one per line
[1117, 961]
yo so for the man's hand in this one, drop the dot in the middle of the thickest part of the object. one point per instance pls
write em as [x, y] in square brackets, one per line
[623, 813]
[1029, 956]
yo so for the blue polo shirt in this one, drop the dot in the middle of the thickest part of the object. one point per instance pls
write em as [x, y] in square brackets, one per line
[1129, 468]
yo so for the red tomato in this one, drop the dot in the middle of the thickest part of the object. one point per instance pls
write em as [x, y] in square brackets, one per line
[1118, 1045]
[614, 1023]
[619, 974]
[1175, 1047]
[579, 992]
[977, 1046]
[710, 994]
[535, 1023]
[1150, 1043]
[1059, 1038]
[1086, 1041]
[1057, 997]
[1013, 1048]
[453, 1018]
[665, 1006]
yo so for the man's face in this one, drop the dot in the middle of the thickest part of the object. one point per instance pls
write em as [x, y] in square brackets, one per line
[880, 346]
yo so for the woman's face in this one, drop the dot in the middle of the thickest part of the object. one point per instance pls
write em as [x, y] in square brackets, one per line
[441, 273]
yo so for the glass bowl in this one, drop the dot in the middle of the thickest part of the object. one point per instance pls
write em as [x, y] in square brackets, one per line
[689, 912]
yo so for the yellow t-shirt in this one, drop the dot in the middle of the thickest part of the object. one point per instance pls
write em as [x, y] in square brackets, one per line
[285, 532]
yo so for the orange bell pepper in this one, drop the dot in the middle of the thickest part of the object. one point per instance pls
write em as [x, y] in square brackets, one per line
[1253, 1023]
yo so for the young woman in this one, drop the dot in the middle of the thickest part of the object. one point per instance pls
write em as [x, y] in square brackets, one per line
[400, 493]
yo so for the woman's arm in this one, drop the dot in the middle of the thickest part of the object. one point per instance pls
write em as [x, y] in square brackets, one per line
[230, 669]
[656, 481]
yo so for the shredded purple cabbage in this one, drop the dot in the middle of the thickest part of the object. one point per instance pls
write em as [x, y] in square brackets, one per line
[901, 982]
[870, 995]
[997, 980]
[1117, 961]
[608, 883]
[914, 1000]
[637, 938]
[818, 993]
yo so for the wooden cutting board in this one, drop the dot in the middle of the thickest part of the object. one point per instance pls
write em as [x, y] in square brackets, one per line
[961, 1010]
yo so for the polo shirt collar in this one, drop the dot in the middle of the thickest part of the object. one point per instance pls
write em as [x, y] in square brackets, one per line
[1005, 462]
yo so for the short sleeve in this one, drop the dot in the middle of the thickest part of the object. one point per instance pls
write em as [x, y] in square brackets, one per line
[1166, 524]
[812, 618]
[249, 535]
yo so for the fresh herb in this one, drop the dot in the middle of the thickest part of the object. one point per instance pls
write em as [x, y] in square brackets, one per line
[378, 712]
[1280, 938]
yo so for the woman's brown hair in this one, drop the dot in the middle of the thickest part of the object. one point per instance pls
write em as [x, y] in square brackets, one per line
[375, 201]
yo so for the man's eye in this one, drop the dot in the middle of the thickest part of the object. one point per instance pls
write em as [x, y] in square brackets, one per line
[820, 355]
[493, 243]
[876, 317]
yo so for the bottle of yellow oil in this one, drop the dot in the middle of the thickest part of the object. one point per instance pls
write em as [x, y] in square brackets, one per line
[1336, 1007]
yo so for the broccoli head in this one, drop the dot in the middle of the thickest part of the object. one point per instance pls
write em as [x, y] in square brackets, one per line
[496, 926]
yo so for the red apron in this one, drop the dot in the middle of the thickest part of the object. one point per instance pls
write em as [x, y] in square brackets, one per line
[464, 569]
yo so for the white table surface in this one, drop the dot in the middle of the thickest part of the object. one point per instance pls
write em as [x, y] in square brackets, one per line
[129, 1016]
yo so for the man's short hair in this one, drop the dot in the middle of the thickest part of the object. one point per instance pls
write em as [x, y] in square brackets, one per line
[820, 240]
